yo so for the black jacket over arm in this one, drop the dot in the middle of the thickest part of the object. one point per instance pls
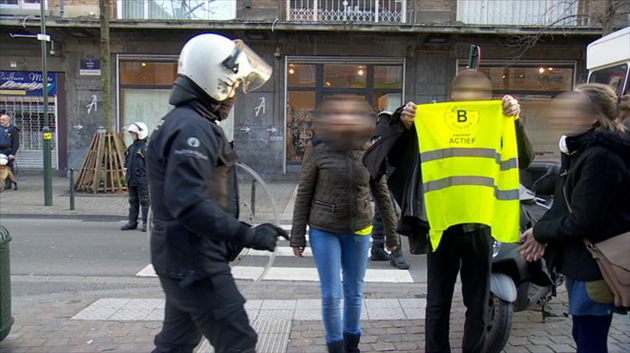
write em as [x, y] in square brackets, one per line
[398, 146]
[595, 183]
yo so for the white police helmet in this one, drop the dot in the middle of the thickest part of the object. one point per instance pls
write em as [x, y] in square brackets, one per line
[139, 128]
[4, 160]
[218, 65]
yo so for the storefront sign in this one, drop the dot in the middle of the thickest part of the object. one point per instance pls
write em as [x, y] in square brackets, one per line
[90, 67]
[25, 83]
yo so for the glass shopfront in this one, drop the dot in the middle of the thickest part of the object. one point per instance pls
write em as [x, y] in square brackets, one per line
[534, 84]
[311, 80]
[145, 85]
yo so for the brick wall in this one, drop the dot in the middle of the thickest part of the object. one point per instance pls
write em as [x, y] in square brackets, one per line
[431, 11]
[77, 8]
[262, 10]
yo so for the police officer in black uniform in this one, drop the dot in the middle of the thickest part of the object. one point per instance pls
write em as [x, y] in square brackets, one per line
[192, 183]
[136, 176]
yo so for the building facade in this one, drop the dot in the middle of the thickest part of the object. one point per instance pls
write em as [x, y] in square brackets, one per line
[387, 51]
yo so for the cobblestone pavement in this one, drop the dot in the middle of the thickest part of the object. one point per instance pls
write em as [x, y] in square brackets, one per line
[62, 323]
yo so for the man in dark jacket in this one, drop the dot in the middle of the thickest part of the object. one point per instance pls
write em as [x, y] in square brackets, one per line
[9, 143]
[195, 202]
[465, 246]
[136, 176]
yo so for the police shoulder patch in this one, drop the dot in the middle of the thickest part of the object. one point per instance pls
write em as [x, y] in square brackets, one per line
[193, 142]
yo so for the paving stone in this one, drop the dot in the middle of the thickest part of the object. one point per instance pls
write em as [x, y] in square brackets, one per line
[406, 346]
[561, 348]
[539, 349]
[312, 334]
[383, 347]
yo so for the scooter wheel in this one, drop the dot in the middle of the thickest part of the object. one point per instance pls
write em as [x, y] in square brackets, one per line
[499, 324]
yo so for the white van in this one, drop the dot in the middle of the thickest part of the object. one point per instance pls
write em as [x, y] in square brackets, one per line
[608, 60]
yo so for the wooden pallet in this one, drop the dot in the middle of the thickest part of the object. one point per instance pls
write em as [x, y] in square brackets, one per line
[103, 166]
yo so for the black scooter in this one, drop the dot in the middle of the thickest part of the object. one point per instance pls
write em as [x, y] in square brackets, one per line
[515, 283]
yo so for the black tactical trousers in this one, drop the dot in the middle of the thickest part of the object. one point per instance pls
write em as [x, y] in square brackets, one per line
[138, 198]
[470, 254]
[211, 307]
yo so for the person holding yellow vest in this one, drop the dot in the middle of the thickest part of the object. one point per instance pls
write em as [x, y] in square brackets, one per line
[470, 186]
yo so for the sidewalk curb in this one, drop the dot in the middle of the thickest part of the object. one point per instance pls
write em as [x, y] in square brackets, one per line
[83, 217]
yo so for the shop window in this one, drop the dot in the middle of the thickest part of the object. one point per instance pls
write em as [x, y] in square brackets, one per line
[145, 87]
[388, 77]
[541, 79]
[308, 84]
[387, 101]
[345, 76]
[301, 75]
[300, 109]
[147, 73]
[534, 85]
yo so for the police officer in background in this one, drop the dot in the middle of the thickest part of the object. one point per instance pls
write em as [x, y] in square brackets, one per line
[192, 182]
[9, 143]
[136, 176]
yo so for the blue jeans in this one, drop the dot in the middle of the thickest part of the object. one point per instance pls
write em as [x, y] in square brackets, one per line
[334, 253]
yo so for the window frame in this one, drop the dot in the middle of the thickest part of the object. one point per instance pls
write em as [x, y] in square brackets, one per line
[320, 91]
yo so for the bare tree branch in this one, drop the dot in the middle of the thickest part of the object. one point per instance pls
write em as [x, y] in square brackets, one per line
[520, 44]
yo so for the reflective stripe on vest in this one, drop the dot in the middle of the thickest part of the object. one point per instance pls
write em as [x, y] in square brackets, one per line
[469, 163]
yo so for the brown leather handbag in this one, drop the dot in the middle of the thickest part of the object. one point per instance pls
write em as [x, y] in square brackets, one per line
[613, 258]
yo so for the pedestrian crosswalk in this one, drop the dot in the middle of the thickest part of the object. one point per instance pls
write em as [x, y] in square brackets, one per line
[287, 267]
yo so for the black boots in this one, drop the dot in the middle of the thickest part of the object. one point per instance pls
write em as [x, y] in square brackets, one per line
[129, 226]
[352, 342]
[144, 227]
[336, 347]
[378, 253]
[397, 260]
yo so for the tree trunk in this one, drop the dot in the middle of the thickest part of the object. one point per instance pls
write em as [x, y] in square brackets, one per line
[105, 66]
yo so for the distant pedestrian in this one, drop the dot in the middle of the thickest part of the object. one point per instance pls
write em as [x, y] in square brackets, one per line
[9, 144]
[334, 200]
[136, 176]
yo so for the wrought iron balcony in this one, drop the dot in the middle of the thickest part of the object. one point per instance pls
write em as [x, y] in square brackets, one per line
[347, 11]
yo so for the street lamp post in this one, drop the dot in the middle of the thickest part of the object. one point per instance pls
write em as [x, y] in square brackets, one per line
[43, 38]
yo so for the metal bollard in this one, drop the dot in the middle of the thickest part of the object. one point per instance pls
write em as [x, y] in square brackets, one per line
[71, 189]
[253, 197]
[6, 320]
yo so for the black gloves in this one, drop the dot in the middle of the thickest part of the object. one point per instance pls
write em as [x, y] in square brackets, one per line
[264, 237]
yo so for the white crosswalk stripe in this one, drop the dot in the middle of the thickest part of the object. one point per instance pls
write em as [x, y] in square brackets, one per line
[287, 267]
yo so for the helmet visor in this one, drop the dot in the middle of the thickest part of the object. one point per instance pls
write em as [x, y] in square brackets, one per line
[250, 69]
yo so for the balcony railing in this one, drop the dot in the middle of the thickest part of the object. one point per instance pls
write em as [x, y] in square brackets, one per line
[347, 11]
[186, 10]
[540, 13]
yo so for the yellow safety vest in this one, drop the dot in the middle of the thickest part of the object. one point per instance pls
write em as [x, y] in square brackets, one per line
[469, 162]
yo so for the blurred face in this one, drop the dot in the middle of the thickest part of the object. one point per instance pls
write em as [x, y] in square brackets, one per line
[471, 89]
[5, 121]
[572, 113]
[134, 136]
[345, 124]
